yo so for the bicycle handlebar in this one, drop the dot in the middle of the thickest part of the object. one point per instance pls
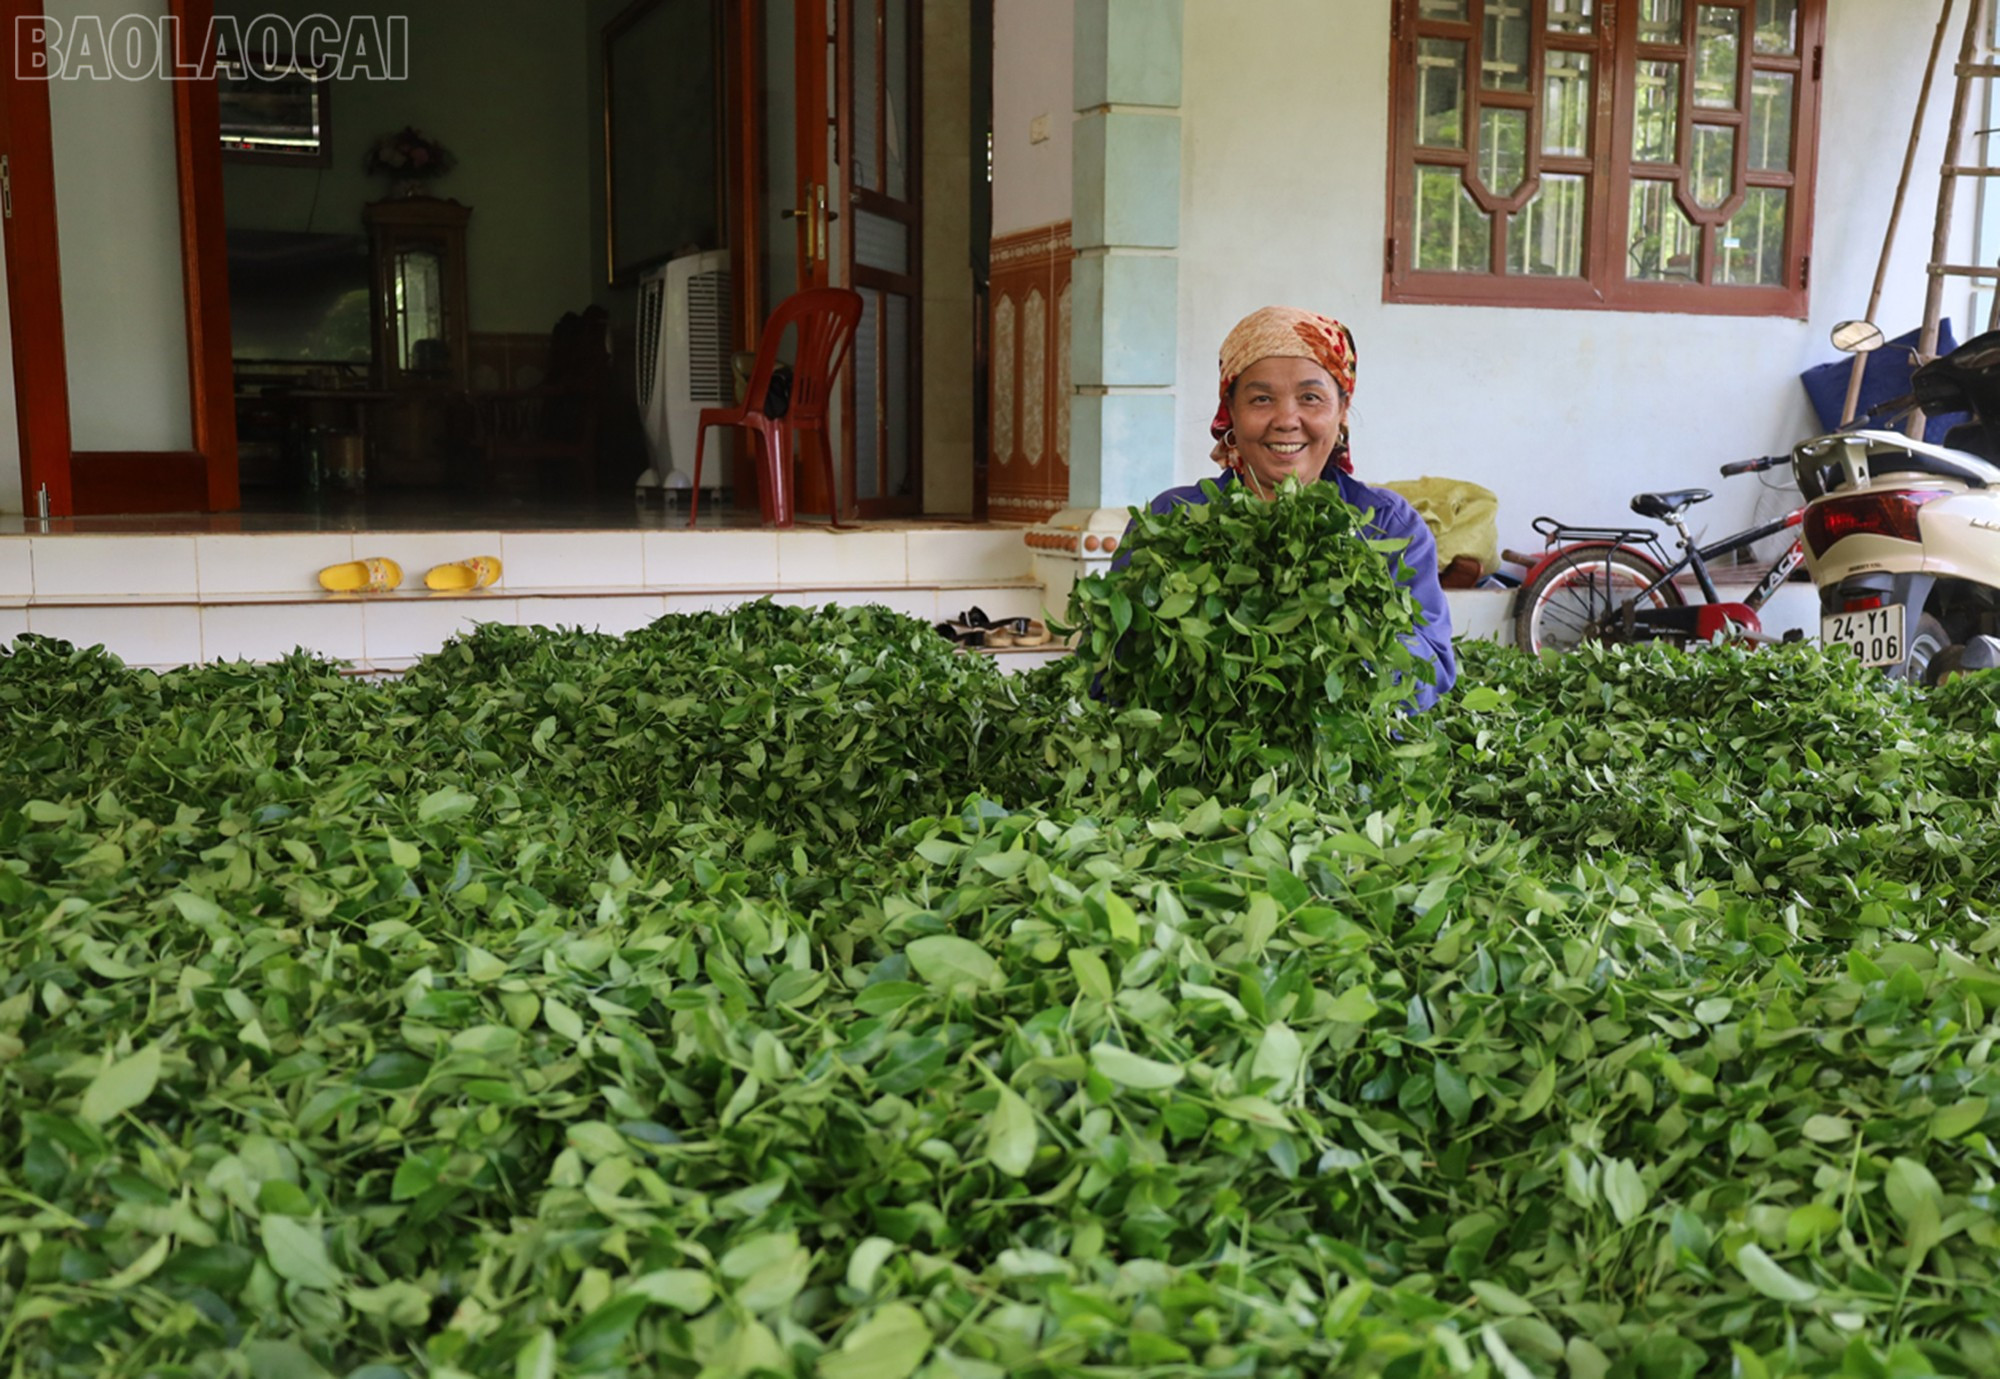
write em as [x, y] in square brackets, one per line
[1754, 466]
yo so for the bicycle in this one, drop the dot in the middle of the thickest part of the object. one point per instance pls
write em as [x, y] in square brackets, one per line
[1617, 584]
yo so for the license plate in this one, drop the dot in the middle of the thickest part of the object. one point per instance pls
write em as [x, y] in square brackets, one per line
[1874, 635]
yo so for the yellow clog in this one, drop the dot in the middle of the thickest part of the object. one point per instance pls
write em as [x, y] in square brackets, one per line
[375, 575]
[476, 573]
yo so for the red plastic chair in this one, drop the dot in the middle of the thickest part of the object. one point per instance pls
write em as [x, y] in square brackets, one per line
[826, 317]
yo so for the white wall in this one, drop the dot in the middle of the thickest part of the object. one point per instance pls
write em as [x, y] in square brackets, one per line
[1562, 412]
[118, 233]
[10, 416]
[1033, 41]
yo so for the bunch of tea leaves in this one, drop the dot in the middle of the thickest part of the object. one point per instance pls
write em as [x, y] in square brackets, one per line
[1262, 634]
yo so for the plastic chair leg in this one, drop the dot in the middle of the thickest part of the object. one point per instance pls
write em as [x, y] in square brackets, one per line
[826, 472]
[777, 474]
[694, 494]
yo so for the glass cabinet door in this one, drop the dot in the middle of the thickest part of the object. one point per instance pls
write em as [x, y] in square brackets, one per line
[418, 246]
[418, 313]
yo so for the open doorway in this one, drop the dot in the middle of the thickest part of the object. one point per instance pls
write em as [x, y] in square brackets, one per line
[417, 312]
[391, 341]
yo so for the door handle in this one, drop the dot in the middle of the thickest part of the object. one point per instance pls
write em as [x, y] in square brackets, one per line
[811, 218]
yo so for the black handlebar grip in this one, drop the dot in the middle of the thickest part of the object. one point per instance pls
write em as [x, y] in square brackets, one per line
[1752, 466]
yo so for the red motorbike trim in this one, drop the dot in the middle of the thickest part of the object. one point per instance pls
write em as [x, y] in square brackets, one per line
[1730, 619]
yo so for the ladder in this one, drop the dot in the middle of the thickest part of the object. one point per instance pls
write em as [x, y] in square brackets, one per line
[1977, 64]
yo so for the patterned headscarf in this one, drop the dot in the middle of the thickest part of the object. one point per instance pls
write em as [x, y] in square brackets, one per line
[1280, 332]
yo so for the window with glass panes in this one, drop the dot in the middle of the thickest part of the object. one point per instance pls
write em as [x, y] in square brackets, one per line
[1637, 154]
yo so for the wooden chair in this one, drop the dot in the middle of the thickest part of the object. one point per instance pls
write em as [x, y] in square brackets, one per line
[551, 433]
[545, 432]
[826, 318]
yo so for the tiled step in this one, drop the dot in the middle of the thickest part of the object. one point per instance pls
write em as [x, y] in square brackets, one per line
[76, 565]
[171, 600]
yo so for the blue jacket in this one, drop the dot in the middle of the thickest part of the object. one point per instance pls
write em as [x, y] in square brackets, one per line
[1415, 565]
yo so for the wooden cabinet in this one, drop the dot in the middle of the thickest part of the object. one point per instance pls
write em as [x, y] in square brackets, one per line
[418, 315]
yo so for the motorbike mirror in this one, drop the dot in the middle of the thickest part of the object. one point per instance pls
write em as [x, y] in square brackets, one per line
[1857, 337]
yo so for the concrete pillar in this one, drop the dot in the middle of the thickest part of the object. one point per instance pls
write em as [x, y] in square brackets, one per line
[1126, 230]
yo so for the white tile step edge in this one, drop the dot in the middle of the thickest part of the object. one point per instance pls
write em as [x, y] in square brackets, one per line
[78, 565]
[835, 592]
[388, 632]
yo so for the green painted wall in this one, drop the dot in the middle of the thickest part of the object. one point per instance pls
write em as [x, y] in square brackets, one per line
[507, 86]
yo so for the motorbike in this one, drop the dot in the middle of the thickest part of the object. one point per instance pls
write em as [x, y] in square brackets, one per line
[1901, 536]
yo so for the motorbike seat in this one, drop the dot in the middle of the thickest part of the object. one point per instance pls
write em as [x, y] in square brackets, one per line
[1670, 504]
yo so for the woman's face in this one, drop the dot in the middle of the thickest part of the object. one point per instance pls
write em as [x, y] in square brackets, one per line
[1287, 414]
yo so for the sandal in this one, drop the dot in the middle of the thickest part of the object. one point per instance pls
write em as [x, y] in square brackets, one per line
[963, 634]
[1035, 633]
[376, 575]
[475, 573]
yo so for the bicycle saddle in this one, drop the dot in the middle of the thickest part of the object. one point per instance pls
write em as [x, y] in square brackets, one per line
[1665, 505]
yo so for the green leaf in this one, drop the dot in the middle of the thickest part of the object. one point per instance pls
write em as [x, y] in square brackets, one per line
[1824, 1129]
[1541, 1088]
[1354, 1006]
[756, 1253]
[867, 1261]
[595, 1341]
[1500, 1300]
[444, 805]
[1129, 1069]
[297, 1251]
[398, 1302]
[889, 1345]
[122, 1085]
[1960, 1118]
[1091, 973]
[1279, 1059]
[1453, 1091]
[1811, 1222]
[536, 1359]
[946, 960]
[1011, 1135]
[1918, 1203]
[684, 1290]
[141, 1268]
[1763, 1273]
[1624, 1190]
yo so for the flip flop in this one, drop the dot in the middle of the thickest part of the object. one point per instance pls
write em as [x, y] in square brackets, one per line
[376, 575]
[475, 573]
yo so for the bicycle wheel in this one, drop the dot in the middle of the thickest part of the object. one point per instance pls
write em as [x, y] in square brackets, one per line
[1576, 599]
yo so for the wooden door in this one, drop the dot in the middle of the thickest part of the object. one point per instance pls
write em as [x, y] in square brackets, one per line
[839, 207]
[34, 294]
[204, 477]
[883, 202]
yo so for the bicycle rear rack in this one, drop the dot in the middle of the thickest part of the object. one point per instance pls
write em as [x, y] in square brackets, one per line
[1552, 530]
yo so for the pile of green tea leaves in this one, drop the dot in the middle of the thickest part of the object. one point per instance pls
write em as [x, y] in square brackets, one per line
[782, 992]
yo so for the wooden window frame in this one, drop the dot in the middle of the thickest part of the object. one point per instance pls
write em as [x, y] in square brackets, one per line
[1615, 52]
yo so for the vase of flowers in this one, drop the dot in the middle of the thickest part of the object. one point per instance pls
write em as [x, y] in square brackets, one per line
[411, 157]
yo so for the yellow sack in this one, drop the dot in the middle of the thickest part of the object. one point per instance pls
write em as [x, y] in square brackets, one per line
[1460, 514]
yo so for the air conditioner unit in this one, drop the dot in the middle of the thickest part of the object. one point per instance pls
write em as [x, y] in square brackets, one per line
[683, 365]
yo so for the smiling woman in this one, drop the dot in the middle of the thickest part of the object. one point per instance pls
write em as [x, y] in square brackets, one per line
[1286, 378]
